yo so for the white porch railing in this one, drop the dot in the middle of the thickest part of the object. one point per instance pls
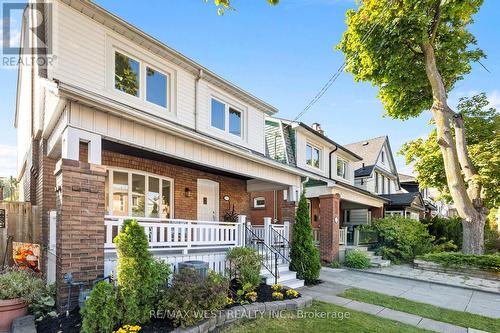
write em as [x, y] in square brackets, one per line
[180, 235]
[262, 231]
[343, 236]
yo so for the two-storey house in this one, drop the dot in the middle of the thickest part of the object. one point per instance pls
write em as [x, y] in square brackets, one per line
[334, 200]
[113, 124]
[377, 173]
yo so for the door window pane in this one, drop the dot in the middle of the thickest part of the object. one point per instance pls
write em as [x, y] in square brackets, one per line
[234, 122]
[120, 194]
[156, 87]
[126, 74]
[218, 114]
[165, 199]
[138, 190]
[153, 197]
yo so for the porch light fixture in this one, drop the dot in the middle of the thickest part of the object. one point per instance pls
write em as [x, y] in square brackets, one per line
[226, 198]
[188, 193]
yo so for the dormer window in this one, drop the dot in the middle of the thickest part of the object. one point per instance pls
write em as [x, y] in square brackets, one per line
[312, 156]
[226, 118]
[341, 168]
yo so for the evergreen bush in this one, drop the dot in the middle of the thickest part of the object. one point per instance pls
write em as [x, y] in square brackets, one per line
[244, 265]
[357, 259]
[304, 255]
[101, 312]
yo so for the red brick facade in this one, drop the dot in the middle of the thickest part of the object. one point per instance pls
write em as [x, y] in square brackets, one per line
[329, 231]
[272, 209]
[80, 227]
[186, 207]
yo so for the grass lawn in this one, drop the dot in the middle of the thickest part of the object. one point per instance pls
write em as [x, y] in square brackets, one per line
[292, 322]
[460, 318]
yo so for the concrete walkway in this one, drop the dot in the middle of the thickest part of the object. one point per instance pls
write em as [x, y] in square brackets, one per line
[454, 298]
[407, 271]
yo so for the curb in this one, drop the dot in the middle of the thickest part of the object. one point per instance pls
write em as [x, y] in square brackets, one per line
[249, 311]
[421, 280]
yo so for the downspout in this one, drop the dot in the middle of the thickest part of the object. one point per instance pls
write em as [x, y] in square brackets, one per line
[330, 162]
[196, 89]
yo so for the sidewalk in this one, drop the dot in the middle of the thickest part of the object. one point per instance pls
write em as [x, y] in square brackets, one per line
[406, 271]
[379, 311]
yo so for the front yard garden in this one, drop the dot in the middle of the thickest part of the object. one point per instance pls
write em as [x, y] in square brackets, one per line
[309, 321]
[460, 318]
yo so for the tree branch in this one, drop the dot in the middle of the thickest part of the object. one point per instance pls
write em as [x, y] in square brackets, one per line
[435, 23]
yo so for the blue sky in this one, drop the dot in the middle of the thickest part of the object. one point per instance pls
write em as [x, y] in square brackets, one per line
[283, 55]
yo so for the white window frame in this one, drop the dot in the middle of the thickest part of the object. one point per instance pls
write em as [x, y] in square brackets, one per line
[144, 60]
[344, 168]
[394, 213]
[320, 155]
[256, 205]
[110, 173]
[227, 106]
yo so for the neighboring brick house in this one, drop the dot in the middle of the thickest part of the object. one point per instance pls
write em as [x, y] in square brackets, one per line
[334, 201]
[115, 124]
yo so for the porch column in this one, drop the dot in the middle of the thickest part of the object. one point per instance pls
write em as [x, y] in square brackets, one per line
[329, 230]
[80, 226]
[288, 210]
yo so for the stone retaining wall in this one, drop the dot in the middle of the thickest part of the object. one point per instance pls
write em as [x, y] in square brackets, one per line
[469, 271]
[249, 311]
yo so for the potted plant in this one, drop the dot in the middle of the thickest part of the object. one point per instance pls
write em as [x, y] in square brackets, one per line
[18, 289]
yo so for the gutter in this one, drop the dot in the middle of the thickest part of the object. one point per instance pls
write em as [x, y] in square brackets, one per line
[196, 98]
[330, 162]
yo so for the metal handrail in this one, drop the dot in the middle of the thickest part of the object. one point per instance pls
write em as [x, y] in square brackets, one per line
[282, 246]
[266, 253]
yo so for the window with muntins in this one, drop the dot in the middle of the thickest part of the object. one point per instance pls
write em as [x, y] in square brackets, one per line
[312, 156]
[226, 118]
[139, 194]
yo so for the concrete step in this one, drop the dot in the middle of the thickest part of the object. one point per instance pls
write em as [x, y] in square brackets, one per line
[380, 263]
[283, 276]
[281, 268]
[293, 283]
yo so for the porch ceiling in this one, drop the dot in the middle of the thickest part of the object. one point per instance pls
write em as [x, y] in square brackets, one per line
[142, 153]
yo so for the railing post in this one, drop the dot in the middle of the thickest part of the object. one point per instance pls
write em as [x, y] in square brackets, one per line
[286, 226]
[267, 231]
[240, 234]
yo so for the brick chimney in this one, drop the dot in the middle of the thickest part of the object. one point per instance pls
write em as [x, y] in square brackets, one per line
[317, 128]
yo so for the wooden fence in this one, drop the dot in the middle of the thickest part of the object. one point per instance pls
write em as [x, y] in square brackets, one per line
[21, 225]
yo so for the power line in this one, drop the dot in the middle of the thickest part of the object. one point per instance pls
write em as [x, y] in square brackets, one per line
[339, 71]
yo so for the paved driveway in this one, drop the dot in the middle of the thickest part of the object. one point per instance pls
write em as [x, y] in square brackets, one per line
[455, 298]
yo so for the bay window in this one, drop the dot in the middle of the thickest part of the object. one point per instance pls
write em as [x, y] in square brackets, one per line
[138, 194]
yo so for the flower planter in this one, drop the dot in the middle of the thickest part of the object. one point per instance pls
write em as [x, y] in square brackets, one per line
[11, 309]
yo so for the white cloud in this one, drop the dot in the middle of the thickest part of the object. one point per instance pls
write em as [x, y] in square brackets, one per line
[494, 99]
[8, 160]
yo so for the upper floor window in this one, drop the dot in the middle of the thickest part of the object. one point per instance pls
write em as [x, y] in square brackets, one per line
[312, 156]
[156, 87]
[341, 168]
[259, 202]
[128, 80]
[127, 75]
[382, 157]
[376, 182]
[222, 114]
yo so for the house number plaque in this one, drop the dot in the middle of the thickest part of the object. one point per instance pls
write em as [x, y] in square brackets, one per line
[2, 218]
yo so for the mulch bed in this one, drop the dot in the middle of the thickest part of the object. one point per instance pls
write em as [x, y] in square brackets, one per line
[73, 322]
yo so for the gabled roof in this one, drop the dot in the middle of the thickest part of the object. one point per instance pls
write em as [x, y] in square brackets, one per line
[368, 149]
[404, 199]
[406, 178]
[364, 171]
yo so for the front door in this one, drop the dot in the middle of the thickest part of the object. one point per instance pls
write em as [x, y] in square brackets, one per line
[208, 200]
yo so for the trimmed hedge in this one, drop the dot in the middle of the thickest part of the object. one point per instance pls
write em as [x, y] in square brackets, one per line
[357, 259]
[490, 262]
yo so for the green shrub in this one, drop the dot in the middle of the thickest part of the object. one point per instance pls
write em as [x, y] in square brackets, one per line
[140, 276]
[191, 296]
[101, 312]
[400, 239]
[357, 259]
[335, 264]
[45, 304]
[445, 229]
[25, 284]
[244, 265]
[304, 255]
[489, 262]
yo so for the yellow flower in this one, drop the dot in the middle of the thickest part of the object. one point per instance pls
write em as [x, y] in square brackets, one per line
[128, 329]
[277, 295]
[277, 287]
[252, 295]
[292, 293]
[229, 301]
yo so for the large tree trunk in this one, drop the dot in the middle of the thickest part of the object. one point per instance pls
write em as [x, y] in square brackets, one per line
[456, 160]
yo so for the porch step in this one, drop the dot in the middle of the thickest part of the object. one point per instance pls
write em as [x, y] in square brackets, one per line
[375, 260]
[283, 276]
[380, 263]
[281, 268]
[286, 277]
[293, 283]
